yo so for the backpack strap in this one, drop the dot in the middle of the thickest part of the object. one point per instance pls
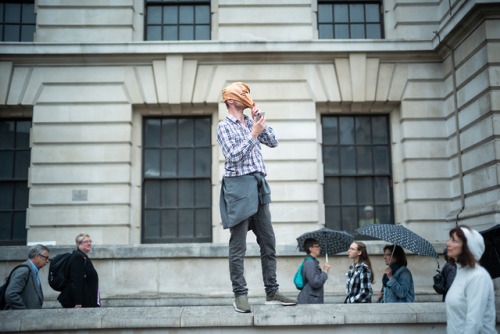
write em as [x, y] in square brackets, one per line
[304, 278]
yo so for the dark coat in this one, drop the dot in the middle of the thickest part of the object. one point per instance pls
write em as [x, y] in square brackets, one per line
[83, 283]
[23, 291]
[315, 278]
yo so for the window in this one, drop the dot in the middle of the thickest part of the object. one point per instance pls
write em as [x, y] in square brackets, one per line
[352, 19]
[177, 20]
[177, 183]
[15, 161]
[17, 20]
[357, 169]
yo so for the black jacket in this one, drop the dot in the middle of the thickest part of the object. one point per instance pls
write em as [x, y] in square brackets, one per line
[83, 282]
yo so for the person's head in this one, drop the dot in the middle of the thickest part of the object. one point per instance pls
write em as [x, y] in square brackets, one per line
[398, 257]
[311, 247]
[83, 242]
[368, 210]
[39, 255]
[358, 253]
[465, 247]
[238, 94]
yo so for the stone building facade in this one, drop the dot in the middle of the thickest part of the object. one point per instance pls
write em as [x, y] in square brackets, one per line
[96, 91]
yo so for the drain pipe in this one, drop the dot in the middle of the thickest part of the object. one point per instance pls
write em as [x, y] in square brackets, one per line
[457, 127]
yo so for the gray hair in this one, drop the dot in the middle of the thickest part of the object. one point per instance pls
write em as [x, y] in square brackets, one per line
[37, 249]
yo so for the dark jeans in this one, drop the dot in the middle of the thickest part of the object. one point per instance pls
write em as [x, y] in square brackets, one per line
[260, 224]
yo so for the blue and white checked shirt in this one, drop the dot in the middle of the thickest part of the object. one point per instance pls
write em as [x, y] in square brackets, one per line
[242, 152]
[358, 284]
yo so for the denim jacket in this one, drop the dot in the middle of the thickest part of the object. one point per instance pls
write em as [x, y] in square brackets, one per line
[399, 288]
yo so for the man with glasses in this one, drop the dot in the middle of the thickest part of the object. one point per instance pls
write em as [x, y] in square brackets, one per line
[24, 290]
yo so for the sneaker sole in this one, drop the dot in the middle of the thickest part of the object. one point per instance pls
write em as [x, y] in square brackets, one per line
[238, 310]
[277, 302]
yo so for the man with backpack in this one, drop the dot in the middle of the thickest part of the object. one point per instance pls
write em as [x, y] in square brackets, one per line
[24, 289]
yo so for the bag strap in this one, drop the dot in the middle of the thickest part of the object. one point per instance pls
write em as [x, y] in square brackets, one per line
[12, 271]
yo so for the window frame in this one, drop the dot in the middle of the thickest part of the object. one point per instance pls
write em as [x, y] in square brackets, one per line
[160, 180]
[178, 25]
[357, 176]
[349, 23]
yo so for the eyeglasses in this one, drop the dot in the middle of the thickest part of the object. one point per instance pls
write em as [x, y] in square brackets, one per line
[86, 242]
[387, 255]
[316, 246]
[45, 257]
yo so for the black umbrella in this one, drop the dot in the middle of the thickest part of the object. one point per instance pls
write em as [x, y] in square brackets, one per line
[330, 241]
[491, 259]
[401, 236]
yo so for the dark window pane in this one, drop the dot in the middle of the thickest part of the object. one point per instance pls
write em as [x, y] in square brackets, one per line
[346, 130]
[202, 14]
[203, 227]
[382, 190]
[202, 162]
[22, 164]
[347, 160]
[154, 15]
[373, 31]
[12, 33]
[186, 162]
[12, 13]
[325, 31]
[152, 163]
[170, 33]
[186, 193]
[381, 159]
[348, 190]
[331, 160]
[357, 31]
[186, 14]
[356, 13]
[349, 219]
[330, 131]
[23, 134]
[340, 13]
[325, 14]
[19, 228]
[383, 214]
[168, 163]
[6, 226]
[21, 196]
[27, 33]
[365, 160]
[372, 13]
[186, 33]
[154, 33]
[186, 135]
[363, 131]
[202, 33]
[28, 15]
[169, 191]
[7, 134]
[152, 194]
[203, 193]
[6, 198]
[333, 219]
[1, 21]
[169, 132]
[170, 15]
[151, 223]
[332, 191]
[380, 134]
[152, 133]
[186, 223]
[169, 224]
[202, 132]
[6, 167]
[342, 31]
[365, 191]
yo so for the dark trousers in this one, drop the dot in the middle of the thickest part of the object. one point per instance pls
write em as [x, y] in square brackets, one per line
[260, 224]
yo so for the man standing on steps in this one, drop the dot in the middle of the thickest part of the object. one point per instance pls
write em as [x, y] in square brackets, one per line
[245, 193]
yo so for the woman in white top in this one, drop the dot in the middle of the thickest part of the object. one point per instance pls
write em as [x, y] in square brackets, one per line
[470, 302]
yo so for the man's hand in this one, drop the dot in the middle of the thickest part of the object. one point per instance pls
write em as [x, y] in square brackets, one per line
[258, 126]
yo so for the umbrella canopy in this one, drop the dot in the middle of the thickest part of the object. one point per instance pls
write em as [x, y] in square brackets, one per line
[491, 257]
[330, 241]
[401, 236]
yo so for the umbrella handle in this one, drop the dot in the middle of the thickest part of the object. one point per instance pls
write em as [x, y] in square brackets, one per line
[326, 256]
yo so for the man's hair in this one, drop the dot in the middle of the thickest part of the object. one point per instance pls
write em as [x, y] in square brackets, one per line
[80, 237]
[465, 258]
[399, 254]
[37, 249]
[364, 258]
[308, 243]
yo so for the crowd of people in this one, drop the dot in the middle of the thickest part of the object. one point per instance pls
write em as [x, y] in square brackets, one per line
[244, 206]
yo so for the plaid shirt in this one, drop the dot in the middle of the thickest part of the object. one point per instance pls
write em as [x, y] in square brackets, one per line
[242, 152]
[358, 284]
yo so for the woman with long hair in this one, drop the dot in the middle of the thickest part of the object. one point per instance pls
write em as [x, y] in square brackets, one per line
[470, 301]
[359, 277]
[397, 282]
